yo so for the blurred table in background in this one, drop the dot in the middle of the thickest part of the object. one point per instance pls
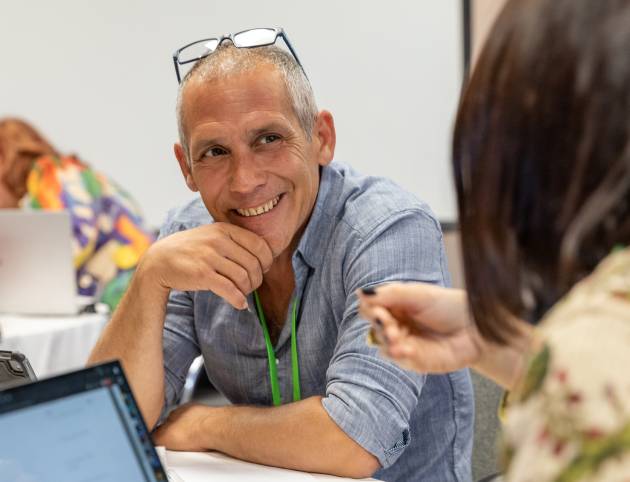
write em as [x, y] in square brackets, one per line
[52, 344]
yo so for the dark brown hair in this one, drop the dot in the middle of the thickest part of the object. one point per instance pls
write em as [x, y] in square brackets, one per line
[541, 155]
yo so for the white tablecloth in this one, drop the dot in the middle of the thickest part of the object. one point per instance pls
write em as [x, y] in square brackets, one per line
[204, 466]
[52, 344]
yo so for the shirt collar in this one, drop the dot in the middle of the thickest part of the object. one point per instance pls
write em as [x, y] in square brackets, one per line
[311, 248]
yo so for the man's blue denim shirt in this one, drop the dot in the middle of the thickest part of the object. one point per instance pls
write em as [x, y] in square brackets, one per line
[363, 231]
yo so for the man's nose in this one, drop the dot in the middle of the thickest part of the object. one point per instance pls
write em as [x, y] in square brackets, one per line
[247, 174]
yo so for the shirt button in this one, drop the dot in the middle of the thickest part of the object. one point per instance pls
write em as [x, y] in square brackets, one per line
[277, 361]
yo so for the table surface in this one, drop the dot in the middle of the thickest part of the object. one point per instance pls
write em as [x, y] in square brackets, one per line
[204, 466]
[52, 344]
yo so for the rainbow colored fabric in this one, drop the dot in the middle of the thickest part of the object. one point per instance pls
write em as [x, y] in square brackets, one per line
[108, 233]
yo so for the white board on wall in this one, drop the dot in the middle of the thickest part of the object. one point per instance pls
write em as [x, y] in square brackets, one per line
[97, 79]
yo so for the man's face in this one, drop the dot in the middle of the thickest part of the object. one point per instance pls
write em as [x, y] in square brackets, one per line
[250, 160]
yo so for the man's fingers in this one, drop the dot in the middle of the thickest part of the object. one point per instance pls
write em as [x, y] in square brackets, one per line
[239, 265]
[156, 436]
[213, 257]
[226, 289]
[253, 243]
[233, 272]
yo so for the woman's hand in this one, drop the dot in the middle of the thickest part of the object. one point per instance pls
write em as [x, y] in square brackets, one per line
[429, 329]
[422, 327]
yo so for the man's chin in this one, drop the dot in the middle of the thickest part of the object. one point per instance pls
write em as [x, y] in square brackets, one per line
[277, 246]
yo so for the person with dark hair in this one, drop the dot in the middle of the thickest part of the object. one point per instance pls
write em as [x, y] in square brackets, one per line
[542, 168]
[108, 231]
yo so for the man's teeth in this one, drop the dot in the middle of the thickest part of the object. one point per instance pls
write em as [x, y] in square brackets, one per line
[264, 208]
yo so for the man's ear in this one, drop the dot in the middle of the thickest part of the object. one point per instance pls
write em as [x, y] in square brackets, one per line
[185, 167]
[324, 133]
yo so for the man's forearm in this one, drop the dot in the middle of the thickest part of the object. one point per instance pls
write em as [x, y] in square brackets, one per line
[298, 436]
[134, 336]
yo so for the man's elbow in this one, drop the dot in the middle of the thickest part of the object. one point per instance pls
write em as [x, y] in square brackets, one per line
[362, 465]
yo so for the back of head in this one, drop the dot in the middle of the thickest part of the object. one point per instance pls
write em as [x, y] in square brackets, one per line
[541, 154]
[20, 146]
[228, 60]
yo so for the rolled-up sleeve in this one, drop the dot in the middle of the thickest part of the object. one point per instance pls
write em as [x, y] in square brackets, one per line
[370, 398]
[372, 402]
[180, 346]
[179, 339]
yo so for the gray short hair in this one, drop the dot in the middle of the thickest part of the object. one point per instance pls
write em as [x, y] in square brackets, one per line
[229, 60]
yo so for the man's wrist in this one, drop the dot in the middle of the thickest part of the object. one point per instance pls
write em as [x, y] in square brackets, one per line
[148, 275]
[211, 427]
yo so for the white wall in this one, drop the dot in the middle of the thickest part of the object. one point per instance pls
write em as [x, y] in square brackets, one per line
[97, 79]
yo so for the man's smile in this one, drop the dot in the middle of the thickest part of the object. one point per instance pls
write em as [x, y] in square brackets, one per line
[261, 209]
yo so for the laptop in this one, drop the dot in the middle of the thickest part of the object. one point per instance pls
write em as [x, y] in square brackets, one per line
[36, 269]
[80, 426]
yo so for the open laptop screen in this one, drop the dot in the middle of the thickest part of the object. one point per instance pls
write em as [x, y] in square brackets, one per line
[82, 426]
[37, 274]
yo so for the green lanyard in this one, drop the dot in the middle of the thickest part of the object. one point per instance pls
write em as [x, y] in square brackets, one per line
[271, 354]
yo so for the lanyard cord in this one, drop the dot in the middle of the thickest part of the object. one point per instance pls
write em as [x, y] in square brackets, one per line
[271, 354]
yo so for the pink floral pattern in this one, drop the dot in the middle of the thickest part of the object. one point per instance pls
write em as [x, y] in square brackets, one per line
[569, 420]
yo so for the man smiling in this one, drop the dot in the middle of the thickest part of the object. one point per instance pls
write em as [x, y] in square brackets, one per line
[259, 273]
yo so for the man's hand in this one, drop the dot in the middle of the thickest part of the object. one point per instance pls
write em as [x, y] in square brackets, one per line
[299, 436]
[225, 259]
[221, 258]
[181, 431]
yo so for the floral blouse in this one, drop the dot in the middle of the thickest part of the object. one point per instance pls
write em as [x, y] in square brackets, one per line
[108, 230]
[570, 418]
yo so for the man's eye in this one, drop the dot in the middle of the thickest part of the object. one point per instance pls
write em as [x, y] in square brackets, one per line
[269, 138]
[215, 152]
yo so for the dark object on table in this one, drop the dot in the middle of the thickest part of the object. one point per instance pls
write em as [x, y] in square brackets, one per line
[14, 369]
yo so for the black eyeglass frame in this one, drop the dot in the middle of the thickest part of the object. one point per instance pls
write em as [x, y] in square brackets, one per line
[278, 32]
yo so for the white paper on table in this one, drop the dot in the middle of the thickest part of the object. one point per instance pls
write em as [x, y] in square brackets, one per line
[204, 466]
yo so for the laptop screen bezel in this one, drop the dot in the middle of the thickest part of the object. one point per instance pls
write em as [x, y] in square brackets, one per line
[80, 381]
